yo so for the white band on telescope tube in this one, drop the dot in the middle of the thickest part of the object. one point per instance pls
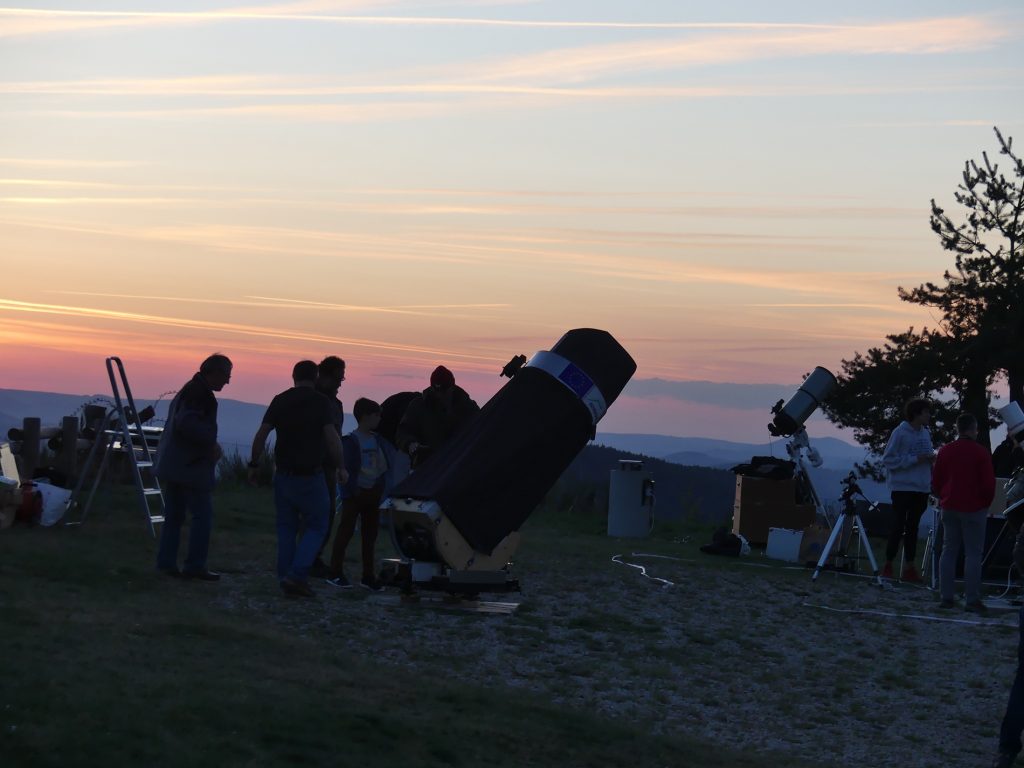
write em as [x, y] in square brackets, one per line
[573, 377]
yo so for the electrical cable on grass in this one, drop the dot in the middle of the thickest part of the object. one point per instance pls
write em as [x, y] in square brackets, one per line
[662, 557]
[665, 583]
[923, 617]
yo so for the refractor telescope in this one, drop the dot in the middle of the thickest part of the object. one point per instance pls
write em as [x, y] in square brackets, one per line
[789, 418]
[455, 520]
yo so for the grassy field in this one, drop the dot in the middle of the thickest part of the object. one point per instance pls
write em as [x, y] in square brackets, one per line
[103, 662]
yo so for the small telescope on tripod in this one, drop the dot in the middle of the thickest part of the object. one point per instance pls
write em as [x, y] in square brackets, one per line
[789, 422]
[851, 489]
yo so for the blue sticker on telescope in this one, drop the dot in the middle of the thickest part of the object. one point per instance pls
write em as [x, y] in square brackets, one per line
[576, 380]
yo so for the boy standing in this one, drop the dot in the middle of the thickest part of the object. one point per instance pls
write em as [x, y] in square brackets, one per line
[367, 462]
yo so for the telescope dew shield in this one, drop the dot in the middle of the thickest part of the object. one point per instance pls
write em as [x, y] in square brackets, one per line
[491, 476]
[815, 389]
[1013, 417]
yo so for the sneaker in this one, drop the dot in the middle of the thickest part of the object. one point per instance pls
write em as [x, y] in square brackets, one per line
[887, 571]
[201, 575]
[294, 588]
[340, 582]
[371, 584]
[174, 573]
[1004, 760]
[978, 607]
[910, 574]
[947, 604]
[319, 570]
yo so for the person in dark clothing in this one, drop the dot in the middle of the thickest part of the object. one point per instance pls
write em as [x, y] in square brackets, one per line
[1013, 719]
[330, 374]
[433, 418]
[1008, 457]
[186, 461]
[306, 434]
[391, 412]
[368, 457]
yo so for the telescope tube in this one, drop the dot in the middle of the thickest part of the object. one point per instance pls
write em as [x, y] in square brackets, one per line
[491, 476]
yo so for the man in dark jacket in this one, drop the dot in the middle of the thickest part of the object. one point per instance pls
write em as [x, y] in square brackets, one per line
[1008, 457]
[186, 460]
[331, 373]
[1013, 720]
[432, 419]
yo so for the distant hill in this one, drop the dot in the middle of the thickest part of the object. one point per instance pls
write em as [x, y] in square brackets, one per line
[838, 457]
[723, 452]
[691, 473]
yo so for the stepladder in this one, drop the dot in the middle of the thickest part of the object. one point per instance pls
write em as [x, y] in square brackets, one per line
[121, 432]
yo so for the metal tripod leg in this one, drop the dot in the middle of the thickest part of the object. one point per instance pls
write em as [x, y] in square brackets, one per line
[100, 444]
[929, 563]
[836, 533]
[867, 546]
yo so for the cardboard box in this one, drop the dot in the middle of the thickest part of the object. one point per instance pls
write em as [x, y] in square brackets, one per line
[762, 504]
[814, 540]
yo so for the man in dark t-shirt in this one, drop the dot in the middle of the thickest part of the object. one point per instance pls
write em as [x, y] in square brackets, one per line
[306, 436]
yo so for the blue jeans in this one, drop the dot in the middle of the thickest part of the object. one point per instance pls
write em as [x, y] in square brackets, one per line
[1013, 720]
[968, 529]
[301, 503]
[179, 499]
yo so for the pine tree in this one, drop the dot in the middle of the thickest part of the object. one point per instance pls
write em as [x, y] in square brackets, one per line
[979, 337]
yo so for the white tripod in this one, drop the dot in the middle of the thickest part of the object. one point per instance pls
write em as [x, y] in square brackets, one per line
[850, 488]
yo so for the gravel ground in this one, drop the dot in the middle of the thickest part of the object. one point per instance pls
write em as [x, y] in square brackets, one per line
[838, 672]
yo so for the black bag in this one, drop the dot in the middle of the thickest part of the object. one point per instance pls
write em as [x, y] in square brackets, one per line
[723, 542]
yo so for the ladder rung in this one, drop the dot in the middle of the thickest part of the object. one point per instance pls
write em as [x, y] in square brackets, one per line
[151, 491]
[143, 464]
[156, 518]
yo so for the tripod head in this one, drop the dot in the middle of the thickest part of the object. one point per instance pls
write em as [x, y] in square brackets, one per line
[850, 487]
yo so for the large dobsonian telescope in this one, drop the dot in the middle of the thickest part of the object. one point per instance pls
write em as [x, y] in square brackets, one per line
[455, 520]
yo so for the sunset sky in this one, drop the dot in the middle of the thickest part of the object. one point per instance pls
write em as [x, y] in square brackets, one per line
[734, 190]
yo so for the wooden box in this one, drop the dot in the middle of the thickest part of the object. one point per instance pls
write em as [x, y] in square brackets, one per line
[762, 504]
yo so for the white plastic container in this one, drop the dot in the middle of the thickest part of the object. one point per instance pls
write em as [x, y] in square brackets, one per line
[630, 501]
[784, 544]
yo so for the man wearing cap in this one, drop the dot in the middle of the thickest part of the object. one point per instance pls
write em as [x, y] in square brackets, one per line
[186, 463]
[434, 416]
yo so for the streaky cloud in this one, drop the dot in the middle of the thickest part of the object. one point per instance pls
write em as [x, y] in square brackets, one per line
[727, 394]
[14, 306]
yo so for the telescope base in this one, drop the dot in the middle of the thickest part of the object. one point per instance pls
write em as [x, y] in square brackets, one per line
[411, 575]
